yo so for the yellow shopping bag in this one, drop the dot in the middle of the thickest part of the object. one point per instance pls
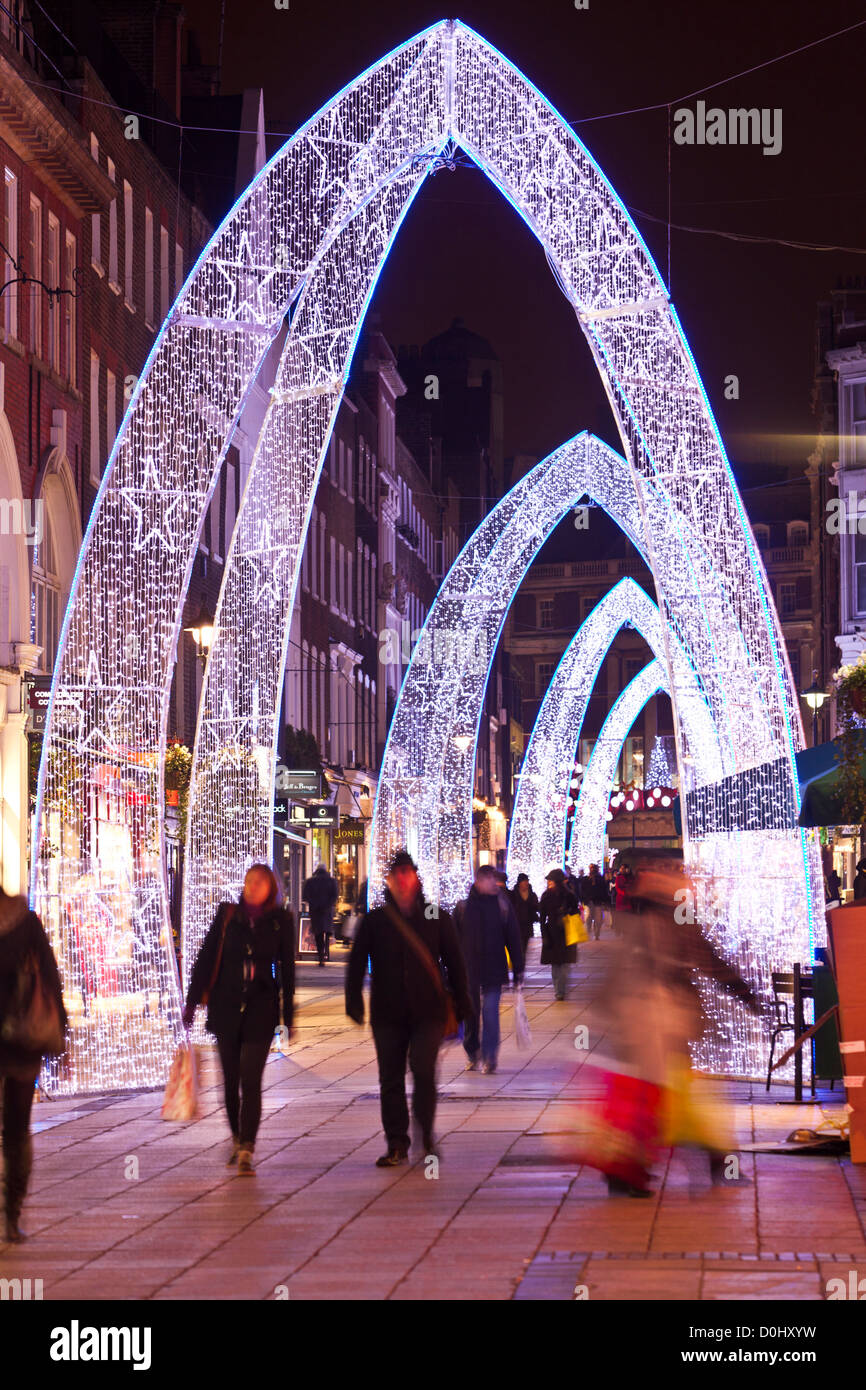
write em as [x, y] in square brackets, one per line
[575, 929]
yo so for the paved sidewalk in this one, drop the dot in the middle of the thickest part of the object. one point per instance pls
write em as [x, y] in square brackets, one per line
[509, 1215]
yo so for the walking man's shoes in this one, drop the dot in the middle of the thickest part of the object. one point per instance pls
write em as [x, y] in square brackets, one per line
[233, 1156]
[245, 1163]
[393, 1158]
[430, 1147]
[14, 1233]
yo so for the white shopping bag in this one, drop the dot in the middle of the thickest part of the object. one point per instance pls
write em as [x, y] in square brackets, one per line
[522, 1030]
[181, 1093]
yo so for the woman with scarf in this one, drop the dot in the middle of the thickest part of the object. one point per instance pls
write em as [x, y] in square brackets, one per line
[245, 965]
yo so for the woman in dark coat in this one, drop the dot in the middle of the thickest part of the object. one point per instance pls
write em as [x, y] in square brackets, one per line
[21, 936]
[246, 957]
[525, 903]
[557, 902]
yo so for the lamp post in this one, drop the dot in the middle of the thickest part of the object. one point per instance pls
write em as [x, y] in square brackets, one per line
[202, 630]
[814, 695]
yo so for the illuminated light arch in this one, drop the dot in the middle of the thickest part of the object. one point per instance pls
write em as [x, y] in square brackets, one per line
[301, 242]
[537, 838]
[589, 823]
[425, 791]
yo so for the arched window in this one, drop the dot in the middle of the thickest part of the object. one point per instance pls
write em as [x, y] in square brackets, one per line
[305, 684]
[762, 536]
[798, 533]
[313, 725]
[46, 598]
[57, 545]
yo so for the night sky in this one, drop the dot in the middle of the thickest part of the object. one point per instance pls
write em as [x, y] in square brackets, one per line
[747, 308]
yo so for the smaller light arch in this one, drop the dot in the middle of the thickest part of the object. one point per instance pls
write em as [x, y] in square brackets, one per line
[588, 825]
[539, 820]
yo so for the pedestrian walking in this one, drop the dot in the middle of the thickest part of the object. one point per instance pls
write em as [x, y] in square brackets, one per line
[860, 881]
[622, 903]
[557, 903]
[407, 942]
[595, 892]
[320, 892]
[653, 1009]
[487, 927]
[525, 903]
[28, 977]
[245, 973]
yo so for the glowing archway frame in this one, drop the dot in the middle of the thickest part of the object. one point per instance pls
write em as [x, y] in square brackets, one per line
[425, 791]
[306, 233]
[539, 821]
[589, 823]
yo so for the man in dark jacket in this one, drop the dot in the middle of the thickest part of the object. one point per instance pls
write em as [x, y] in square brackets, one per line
[405, 940]
[486, 927]
[595, 892]
[320, 892]
[22, 937]
[557, 902]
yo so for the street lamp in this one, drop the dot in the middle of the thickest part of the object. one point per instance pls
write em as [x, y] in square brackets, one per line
[814, 695]
[202, 630]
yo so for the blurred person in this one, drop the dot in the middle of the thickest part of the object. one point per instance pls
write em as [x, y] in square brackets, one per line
[524, 900]
[407, 943]
[622, 885]
[557, 903]
[487, 927]
[595, 892]
[860, 881]
[22, 941]
[654, 1011]
[320, 893]
[245, 961]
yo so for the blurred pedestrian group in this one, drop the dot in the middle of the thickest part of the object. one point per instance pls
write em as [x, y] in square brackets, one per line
[434, 976]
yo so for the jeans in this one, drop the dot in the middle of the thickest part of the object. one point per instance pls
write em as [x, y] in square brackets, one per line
[486, 1021]
[243, 1064]
[17, 1146]
[322, 945]
[417, 1040]
[595, 918]
[560, 980]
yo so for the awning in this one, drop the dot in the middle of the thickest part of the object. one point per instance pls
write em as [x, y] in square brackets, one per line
[818, 774]
[821, 783]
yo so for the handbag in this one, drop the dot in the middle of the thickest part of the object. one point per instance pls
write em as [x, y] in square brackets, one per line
[452, 1026]
[180, 1101]
[33, 1019]
[575, 929]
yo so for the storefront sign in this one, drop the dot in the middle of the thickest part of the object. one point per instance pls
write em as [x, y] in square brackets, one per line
[351, 831]
[314, 815]
[291, 782]
[40, 694]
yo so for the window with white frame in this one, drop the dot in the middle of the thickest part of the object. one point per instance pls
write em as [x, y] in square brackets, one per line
[96, 220]
[95, 450]
[322, 709]
[350, 561]
[543, 672]
[798, 533]
[53, 279]
[332, 592]
[787, 600]
[10, 254]
[35, 238]
[148, 267]
[322, 594]
[46, 597]
[545, 612]
[313, 542]
[762, 536]
[178, 268]
[350, 472]
[128, 243]
[305, 564]
[110, 412]
[164, 286]
[70, 310]
[112, 232]
[305, 684]
[859, 549]
[313, 726]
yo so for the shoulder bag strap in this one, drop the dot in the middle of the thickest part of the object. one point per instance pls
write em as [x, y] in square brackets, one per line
[219, 960]
[421, 951]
